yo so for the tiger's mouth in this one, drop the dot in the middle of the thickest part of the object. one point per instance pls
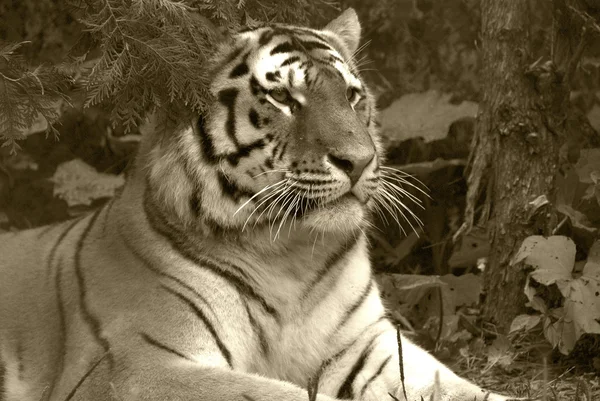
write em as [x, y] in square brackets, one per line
[312, 205]
[306, 205]
[332, 203]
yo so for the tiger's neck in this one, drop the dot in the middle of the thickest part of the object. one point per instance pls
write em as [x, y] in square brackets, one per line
[192, 236]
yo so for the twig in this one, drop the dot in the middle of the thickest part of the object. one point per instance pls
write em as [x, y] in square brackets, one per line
[401, 360]
[559, 225]
[574, 60]
[440, 326]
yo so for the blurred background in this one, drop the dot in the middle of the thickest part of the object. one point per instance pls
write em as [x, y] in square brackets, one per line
[69, 132]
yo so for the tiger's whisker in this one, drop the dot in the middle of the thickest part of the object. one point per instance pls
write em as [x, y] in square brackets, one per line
[262, 202]
[377, 208]
[391, 190]
[403, 192]
[287, 213]
[395, 211]
[257, 194]
[383, 202]
[404, 181]
[393, 202]
[281, 192]
[401, 176]
[288, 198]
[281, 170]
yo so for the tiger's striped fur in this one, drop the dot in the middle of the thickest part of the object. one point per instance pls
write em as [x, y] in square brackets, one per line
[234, 264]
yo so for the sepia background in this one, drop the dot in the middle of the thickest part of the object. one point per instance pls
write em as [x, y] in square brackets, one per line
[78, 77]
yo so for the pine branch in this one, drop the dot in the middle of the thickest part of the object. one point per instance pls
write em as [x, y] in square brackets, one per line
[154, 54]
[27, 95]
[162, 45]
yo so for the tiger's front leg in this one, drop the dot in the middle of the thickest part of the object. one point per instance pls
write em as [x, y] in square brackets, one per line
[369, 369]
[170, 379]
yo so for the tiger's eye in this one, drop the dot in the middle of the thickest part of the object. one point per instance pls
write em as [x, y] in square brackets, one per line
[351, 94]
[280, 95]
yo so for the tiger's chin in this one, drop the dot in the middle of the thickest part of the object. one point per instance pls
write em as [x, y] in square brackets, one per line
[343, 215]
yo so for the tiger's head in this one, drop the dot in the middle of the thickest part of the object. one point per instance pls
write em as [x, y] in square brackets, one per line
[291, 135]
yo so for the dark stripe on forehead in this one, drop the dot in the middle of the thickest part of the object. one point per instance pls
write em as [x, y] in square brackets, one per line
[250, 29]
[334, 58]
[266, 37]
[273, 76]
[285, 47]
[310, 45]
[227, 98]
[298, 31]
[241, 69]
[256, 87]
[329, 70]
[289, 61]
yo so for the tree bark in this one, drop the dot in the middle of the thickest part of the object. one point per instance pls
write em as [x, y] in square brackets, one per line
[520, 142]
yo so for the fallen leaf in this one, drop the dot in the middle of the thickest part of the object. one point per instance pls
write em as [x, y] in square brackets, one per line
[465, 290]
[582, 303]
[471, 247]
[560, 333]
[524, 322]
[426, 114]
[578, 219]
[552, 258]
[589, 161]
[499, 353]
[79, 183]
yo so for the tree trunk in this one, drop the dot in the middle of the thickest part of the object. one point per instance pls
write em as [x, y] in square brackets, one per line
[520, 144]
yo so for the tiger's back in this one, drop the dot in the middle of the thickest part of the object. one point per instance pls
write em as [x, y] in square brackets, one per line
[93, 294]
[30, 323]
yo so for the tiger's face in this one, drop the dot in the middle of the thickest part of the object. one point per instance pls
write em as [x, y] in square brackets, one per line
[292, 133]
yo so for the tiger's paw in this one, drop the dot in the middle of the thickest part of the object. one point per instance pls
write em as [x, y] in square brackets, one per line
[452, 389]
[451, 396]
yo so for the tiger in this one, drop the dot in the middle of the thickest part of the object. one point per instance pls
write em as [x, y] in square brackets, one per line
[234, 263]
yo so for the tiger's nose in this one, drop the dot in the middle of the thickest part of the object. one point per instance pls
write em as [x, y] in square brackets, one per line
[353, 164]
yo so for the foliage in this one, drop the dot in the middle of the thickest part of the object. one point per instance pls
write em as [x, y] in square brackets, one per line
[556, 266]
[156, 53]
[27, 95]
[46, 24]
[427, 115]
[553, 260]
[143, 54]
[438, 304]
[415, 46]
[239, 13]
[136, 55]
[79, 184]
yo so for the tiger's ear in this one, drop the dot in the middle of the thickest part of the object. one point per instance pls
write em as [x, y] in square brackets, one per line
[347, 28]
